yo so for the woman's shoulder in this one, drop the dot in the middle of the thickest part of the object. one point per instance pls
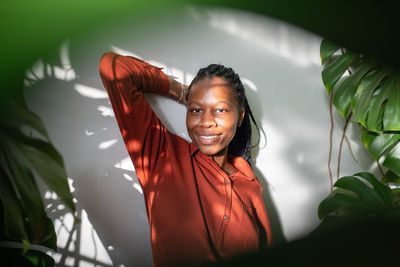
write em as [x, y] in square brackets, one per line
[180, 144]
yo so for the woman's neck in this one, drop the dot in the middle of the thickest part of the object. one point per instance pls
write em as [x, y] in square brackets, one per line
[223, 163]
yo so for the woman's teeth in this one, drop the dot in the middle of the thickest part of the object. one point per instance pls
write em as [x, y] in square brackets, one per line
[208, 136]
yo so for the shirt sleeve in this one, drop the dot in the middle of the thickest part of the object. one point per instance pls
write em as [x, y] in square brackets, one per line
[264, 221]
[125, 80]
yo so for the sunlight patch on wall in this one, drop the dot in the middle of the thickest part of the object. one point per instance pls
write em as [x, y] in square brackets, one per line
[106, 111]
[40, 69]
[64, 56]
[66, 237]
[138, 187]
[121, 51]
[78, 245]
[249, 83]
[88, 133]
[178, 74]
[188, 77]
[274, 36]
[128, 177]
[37, 71]
[63, 74]
[125, 164]
[90, 244]
[107, 144]
[71, 184]
[135, 185]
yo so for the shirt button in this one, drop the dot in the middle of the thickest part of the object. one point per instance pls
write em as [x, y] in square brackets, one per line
[226, 181]
[226, 217]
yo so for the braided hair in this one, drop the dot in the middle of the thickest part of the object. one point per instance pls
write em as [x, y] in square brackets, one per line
[241, 144]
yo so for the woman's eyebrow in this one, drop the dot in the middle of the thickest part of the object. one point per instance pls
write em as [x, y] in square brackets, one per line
[218, 102]
[193, 103]
[225, 102]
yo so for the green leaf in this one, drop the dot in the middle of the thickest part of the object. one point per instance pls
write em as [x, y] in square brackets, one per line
[39, 259]
[342, 204]
[327, 49]
[51, 241]
[26, 245]
[41, 145]
[32, 258]
[334, 71]
[353, 197]
[391, 117]
[390, 177]
[392, 161]
[52, 173]
[366, 194]
[35, 218]
[362, 101]
[14, 116]
[345, 92]
[383, 191]
[13, 216]
[378, 144]
[396, 197]
[40, 155]
[378, 106]
[372, 92]
[23, 216]
[384, 143]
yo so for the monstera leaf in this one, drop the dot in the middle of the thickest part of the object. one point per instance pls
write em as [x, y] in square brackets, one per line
[372, 93]
[26, 152]
[385, 143]
[357, 199]
[361, 195]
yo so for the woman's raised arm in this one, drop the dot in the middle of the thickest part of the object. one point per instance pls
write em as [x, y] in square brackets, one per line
[125, 80]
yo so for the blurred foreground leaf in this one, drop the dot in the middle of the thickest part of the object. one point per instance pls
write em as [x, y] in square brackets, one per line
[361, 195]
[25, 153]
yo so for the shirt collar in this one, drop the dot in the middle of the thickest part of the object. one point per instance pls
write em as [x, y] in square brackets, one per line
[238, 162]
[243, 166]
[193, 149]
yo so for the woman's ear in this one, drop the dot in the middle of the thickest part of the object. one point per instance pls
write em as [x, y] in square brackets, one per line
[241, 116]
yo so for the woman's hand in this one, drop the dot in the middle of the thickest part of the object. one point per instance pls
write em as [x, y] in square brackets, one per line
[177, 91]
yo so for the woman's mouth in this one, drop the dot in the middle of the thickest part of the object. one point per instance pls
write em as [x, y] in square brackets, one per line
[208, 139]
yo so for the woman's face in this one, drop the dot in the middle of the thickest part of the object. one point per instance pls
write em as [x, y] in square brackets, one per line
[212, 115]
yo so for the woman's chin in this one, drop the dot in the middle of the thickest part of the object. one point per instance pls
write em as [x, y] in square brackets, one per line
[212, 151]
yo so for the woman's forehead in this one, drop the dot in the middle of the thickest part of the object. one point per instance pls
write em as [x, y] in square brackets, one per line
[216, 88]
[208, 83]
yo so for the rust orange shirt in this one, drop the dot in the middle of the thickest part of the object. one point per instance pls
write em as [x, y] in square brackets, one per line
[197, 213]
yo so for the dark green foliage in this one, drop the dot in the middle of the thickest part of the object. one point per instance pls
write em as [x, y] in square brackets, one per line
[26, 152]
[357, 198]
[32, 258]
[371, 93]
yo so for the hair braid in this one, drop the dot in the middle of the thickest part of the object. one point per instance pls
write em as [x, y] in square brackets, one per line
[241, 143]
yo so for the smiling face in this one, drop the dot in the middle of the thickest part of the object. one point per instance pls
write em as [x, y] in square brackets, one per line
[213, 114]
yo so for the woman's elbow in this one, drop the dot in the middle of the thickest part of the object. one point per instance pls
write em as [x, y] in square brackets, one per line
[107, 64]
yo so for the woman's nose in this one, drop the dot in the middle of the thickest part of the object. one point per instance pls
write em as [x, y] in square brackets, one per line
[208, 120]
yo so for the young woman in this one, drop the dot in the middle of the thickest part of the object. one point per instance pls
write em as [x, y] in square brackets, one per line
[204, 203]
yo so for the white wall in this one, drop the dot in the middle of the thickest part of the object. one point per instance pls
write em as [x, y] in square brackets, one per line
[280, 67]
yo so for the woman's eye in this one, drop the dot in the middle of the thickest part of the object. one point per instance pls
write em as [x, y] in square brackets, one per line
[221, 110]
[195, 110]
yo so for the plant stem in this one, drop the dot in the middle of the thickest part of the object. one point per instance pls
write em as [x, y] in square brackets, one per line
[330, 140]
[380, 168]
[343, 135]
[341, 144]
[350, 149]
